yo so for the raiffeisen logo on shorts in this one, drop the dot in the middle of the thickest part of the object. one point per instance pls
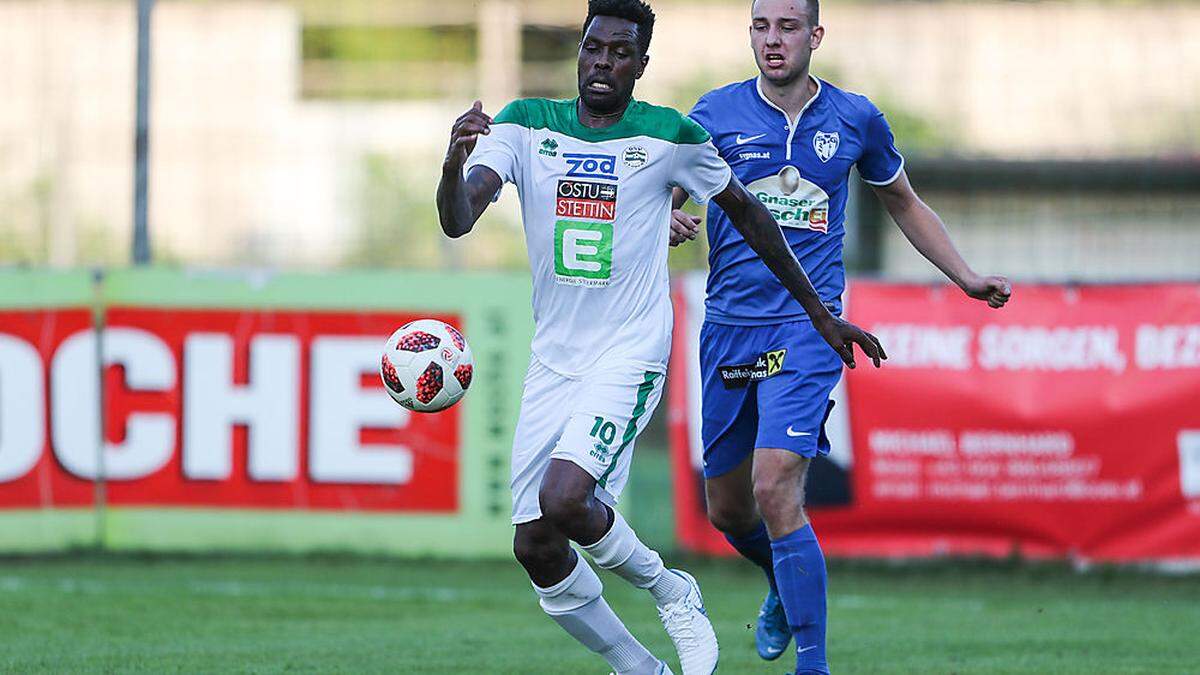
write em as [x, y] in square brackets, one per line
[792, 200]
[586, 199]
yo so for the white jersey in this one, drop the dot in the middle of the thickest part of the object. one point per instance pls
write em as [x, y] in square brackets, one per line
[596, 204]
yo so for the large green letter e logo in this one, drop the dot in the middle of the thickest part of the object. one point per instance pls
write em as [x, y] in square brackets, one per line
[583, 252]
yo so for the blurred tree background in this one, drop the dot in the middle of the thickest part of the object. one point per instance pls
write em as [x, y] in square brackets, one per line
[309, 134]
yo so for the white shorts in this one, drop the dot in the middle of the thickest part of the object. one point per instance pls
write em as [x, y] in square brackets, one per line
[591, 422]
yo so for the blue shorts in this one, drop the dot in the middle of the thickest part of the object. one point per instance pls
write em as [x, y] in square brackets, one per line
[764, 387]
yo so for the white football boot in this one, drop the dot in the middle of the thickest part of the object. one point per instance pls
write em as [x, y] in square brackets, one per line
[688, 625]
[661, 669]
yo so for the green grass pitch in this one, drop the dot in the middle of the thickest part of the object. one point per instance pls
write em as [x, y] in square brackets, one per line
[358, 615]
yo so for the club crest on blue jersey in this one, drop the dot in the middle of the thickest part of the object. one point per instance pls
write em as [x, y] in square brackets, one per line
[826, 144]
[588, 165]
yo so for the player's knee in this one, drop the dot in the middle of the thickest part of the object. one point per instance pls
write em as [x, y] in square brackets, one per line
[537, 553]
[732, 519]
[778, 496]
[564, 508]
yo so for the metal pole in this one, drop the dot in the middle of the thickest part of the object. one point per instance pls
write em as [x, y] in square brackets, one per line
[141, 143]
[869, 238]
[100, 494]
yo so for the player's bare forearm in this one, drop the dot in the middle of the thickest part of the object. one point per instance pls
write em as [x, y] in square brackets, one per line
[762, 234]
[927, 233]
[460, 201]
[679, 197]
[454, 209]
[684, 226]
[923, 228]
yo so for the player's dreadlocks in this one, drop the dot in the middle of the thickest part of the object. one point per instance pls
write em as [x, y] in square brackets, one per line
[632, 10]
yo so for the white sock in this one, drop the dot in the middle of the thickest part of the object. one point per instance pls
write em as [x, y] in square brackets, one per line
[575, 604]
[622, 552]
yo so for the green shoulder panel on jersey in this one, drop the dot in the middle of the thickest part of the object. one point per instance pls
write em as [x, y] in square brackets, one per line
[641, 119]
[690, 131]
[516, 112]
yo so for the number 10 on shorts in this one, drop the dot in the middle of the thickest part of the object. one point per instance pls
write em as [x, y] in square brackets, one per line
[604, 430]
[583, 253]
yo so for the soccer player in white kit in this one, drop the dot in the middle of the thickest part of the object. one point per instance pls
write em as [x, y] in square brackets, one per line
[595, 175]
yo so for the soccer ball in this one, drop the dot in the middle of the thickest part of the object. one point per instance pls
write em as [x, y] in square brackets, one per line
[427, 366]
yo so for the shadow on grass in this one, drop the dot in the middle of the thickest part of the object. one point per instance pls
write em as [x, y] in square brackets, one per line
[942, 568]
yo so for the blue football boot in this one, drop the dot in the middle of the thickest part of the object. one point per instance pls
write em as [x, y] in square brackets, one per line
[772, 634]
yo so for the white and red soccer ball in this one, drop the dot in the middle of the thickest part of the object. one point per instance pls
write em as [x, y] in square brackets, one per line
[427, 366]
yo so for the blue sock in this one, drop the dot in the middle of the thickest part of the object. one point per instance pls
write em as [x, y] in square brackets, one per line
[756, 547]
[800, 573]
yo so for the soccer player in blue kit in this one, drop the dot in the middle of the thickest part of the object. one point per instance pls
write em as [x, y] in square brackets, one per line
[767, 374]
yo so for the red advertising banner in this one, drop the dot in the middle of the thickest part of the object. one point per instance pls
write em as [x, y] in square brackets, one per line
[206, 408]
[1067, 424]
[29, 475]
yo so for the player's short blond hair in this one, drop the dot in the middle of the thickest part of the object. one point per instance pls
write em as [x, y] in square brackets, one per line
[813, 9]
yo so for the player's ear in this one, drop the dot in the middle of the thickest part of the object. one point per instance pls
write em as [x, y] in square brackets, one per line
[642, 68]
[818, 34]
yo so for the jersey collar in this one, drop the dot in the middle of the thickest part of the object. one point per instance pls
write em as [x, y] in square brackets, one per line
[622, 128]
[791, 123]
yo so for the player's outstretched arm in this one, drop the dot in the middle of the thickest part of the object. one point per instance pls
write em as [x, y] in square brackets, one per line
[460, 201]
[925, 230]
[762, 233]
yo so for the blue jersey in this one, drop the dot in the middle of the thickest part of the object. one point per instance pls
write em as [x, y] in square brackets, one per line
[800, 174]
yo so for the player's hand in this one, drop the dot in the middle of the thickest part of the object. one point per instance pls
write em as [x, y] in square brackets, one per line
[843, 335]
[684, 227]
[464, 134]
[995, 290]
